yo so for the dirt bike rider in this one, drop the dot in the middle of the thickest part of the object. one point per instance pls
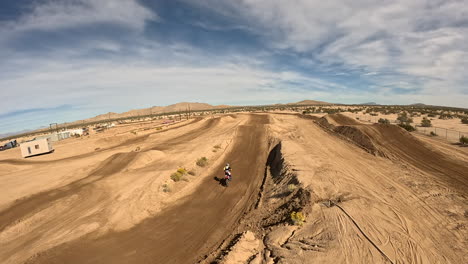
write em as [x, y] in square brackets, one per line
[227, 171]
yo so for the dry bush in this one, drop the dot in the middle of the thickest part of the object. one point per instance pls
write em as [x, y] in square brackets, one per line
[384, 121]
[297, 218]
[433, 134]
[202, 162]
[291, 187]
[426, 122]
[166, 188]
[408, 127]
[217, 147]
[191, 172]
[464, 140]
[176, 176]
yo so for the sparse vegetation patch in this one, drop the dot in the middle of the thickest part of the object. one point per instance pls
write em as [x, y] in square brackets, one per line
[464, 140]
[202, 162]
[297, 218]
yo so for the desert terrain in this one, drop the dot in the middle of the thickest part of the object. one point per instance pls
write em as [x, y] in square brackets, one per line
[366, 193]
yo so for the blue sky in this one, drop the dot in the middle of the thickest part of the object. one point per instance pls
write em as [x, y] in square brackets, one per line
[64, 60]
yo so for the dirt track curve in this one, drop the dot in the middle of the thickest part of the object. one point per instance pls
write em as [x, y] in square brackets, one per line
[187, 231]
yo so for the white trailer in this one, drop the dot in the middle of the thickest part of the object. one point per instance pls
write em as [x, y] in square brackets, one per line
[36, 147]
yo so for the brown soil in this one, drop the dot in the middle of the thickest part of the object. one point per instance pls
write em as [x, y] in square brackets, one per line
[369, 193]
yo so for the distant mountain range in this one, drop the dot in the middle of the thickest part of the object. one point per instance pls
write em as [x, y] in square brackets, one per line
[369, 103]
[183, 106]
[311, 102]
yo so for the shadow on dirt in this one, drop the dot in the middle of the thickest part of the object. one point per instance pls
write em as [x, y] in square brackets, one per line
[221, 181]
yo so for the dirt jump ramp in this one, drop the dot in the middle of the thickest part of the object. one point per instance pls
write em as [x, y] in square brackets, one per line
[397, 144]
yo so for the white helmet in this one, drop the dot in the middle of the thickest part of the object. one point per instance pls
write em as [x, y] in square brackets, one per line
[227, 165]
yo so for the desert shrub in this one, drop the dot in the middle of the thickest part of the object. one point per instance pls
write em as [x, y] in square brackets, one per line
[431, 115]
[297, 218]
[176, 176]
[217, 147]
[464, 120]
[202, 162]
[426, 122]
[182, 171]
[384, 121]
[191, 172]
[159, 128]
[291, 187]
[433, 134]
[404, 119]
[134, 132]
[445, 116]
[408, 127]
[464, 140]
[166, 188]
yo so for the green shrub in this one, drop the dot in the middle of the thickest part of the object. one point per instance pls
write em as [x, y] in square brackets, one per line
[408, 127]
[464, 140]
[297, 218]
[202, 162]
[426, 122]
[384, 121]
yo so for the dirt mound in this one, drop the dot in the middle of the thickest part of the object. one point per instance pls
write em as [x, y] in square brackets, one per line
[349, 129]
[356, 135]
[142, 159]
[397, 143]
[337, 120]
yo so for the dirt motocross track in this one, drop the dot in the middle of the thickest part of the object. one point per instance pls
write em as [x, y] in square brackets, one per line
[370, 193]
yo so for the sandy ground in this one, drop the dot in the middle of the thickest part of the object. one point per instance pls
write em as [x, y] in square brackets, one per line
[452, 124]
[370, 194]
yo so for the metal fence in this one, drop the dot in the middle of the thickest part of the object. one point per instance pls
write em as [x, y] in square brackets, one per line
[449, 134]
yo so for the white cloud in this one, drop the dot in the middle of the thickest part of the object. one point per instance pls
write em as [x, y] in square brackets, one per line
[422, 41]
[147, 83]
[52, 15]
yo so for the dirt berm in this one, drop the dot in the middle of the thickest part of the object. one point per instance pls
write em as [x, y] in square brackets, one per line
[396, 143]
[183, 233]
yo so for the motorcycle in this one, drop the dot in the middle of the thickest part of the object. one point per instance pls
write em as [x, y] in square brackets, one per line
[227, 178]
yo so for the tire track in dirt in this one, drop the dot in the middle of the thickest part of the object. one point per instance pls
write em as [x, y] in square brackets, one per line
[395, 142]
[114, 164]
[32, 204]
[405, 146]
[187, 231]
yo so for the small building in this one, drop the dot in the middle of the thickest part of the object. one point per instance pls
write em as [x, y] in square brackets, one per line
[36, 147]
